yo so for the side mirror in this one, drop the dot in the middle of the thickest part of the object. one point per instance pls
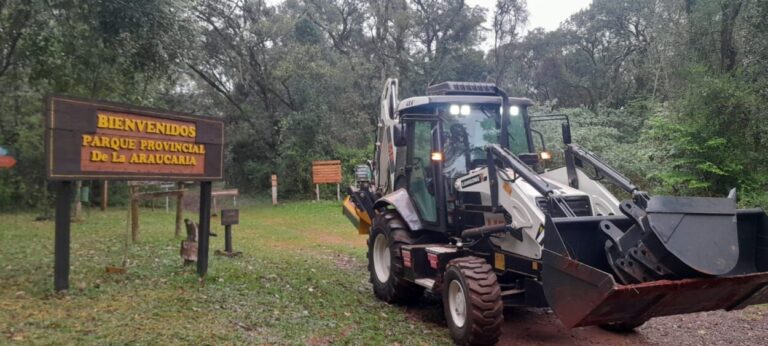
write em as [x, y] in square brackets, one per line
[398, 134]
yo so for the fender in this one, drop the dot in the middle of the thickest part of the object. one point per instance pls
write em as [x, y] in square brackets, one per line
[401, 201]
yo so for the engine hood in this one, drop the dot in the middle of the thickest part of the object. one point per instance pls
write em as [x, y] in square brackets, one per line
[559, 188]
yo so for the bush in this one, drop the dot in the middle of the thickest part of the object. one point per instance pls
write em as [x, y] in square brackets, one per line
[710, 141]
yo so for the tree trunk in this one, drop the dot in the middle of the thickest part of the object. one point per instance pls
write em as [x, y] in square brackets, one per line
[729, 12]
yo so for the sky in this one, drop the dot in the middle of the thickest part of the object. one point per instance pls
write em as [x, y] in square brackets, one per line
[547, 14]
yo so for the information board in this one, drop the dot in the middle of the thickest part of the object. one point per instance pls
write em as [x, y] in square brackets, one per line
[326, 172]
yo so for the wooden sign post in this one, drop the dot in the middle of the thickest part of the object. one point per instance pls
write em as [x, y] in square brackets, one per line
[326, 172]
[89, 140]
[104, 194]
[274, 189]
[229, 217]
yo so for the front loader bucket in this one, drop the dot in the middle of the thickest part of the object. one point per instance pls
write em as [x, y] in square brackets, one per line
[582, 290]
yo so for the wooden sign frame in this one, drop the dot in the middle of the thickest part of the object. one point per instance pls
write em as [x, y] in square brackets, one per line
[88, 139]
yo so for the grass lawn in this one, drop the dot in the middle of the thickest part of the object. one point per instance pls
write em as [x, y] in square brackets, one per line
[302, 280]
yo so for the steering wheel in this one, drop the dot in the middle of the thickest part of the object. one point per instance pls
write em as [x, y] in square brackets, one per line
[477, 157]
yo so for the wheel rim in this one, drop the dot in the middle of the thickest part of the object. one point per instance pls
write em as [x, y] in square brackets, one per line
[457, 304]
[381, 258]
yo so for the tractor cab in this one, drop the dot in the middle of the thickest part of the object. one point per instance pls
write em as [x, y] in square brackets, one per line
[447, 133]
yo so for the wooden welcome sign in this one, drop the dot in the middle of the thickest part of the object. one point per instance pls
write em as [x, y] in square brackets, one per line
[103, 140]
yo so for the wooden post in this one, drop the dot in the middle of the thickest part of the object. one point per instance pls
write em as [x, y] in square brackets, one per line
[61, 247]
[338, 192]
[228, 239]
[213, 211]
[317, 191]
[104, 194]
[274, 189]
[134, 214]
[204, 230]
[78, 202]
[179, 205]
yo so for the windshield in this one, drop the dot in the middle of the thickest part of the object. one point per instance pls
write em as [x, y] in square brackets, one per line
[468, 131]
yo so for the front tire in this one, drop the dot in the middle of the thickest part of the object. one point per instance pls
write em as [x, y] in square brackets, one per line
[385, 261]
[472, 302]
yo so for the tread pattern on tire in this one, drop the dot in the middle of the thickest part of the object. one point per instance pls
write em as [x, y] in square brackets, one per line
[397, 289]
[486, 311]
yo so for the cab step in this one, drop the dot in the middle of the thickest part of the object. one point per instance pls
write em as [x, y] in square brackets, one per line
[426, 283]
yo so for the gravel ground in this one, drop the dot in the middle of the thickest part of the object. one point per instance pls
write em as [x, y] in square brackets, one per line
[541, 327]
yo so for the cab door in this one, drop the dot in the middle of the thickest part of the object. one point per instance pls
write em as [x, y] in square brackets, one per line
[420, 171]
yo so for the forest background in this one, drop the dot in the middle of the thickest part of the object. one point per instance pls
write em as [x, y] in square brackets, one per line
[671, 92]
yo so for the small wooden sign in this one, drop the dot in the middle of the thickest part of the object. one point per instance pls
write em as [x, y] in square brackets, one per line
[230, 217]
[326, 172]
[103, 140]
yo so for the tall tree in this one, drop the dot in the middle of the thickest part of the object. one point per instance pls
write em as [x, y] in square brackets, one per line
[509, 19]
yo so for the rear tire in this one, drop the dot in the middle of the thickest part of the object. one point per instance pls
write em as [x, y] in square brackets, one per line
[385, 261]
[472, 302]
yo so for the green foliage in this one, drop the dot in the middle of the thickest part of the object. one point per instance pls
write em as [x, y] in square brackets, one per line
[121, 51]
[667, 91]
[709, 143]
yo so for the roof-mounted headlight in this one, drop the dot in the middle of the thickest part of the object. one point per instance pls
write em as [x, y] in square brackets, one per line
[459, 110]
[513, 110]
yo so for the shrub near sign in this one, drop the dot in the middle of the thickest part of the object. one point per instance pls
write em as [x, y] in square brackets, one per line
[87, 139]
